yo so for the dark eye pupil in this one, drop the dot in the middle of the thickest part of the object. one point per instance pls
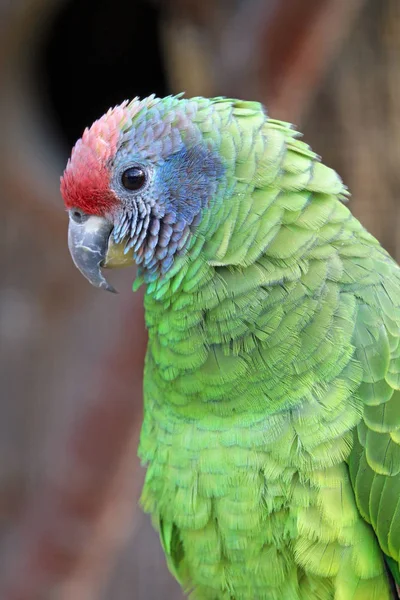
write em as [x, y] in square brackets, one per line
[133, 178]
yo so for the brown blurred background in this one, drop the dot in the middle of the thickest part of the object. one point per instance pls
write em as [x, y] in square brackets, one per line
[70, 356]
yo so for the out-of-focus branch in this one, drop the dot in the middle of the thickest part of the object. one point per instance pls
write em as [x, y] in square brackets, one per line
[71, 529]
[275, 51]
[299, 43]
[355, 121]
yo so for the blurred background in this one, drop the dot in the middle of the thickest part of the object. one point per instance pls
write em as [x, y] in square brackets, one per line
[71, 356]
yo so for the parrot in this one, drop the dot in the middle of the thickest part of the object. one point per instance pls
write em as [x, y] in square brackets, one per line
[271, 427]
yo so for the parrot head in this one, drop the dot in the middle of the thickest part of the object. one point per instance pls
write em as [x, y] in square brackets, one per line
[136, 185]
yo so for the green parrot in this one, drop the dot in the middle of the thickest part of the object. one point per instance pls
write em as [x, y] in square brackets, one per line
[271, 430]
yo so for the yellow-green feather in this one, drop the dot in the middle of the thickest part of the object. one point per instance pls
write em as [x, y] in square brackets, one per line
[272, 419]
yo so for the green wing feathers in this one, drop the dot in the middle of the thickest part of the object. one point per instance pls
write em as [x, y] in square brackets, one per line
[375, 460]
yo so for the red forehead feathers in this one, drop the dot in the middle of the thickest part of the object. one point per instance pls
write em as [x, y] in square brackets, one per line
[86, 180]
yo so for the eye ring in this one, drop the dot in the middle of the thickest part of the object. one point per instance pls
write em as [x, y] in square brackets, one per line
[134, 178]
[78, 215]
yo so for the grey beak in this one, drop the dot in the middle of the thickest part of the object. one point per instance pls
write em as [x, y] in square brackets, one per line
[88, 244]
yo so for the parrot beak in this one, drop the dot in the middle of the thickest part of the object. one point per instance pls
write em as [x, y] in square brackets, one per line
[92, 247]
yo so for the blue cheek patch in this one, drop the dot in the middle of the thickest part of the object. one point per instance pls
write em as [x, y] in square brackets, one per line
[187, 180]
[158, 222]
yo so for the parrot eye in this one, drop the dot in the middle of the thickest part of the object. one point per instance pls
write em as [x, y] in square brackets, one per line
[133, 178]
[78, 215]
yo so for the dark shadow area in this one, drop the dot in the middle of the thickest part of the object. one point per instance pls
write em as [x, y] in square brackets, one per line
[95, 54]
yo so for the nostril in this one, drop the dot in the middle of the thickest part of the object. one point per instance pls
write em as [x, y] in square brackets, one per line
[78, 216]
